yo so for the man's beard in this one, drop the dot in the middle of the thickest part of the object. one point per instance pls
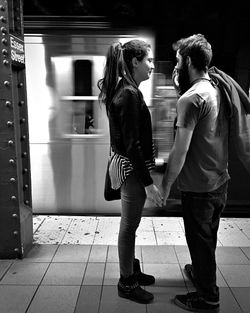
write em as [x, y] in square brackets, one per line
[183, 79]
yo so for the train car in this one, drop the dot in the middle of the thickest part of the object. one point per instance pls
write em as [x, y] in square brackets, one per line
[69, 136]
[68, 127]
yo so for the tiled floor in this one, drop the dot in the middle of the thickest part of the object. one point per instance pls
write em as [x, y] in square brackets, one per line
[73, 266]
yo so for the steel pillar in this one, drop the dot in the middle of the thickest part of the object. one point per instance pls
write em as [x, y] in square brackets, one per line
[16, 231]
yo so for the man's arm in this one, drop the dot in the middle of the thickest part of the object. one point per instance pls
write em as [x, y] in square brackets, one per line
[176, 159]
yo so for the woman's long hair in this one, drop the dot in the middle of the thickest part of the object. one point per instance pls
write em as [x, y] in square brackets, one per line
[119, 66]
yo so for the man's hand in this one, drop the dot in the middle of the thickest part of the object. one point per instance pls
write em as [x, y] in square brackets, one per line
[154, 194]
[165, 192]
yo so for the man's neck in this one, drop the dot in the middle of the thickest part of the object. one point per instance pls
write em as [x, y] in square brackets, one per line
[194, 76]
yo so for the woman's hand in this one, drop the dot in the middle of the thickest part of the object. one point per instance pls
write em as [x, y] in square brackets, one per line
[154, 194]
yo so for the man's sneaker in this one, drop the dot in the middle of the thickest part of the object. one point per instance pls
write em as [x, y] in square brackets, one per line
[188, 270]
[129, 288]
[192, 302]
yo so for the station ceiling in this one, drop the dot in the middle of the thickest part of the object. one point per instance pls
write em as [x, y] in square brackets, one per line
[142, 12]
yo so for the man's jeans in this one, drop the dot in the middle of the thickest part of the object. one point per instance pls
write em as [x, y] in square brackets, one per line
[201, 214]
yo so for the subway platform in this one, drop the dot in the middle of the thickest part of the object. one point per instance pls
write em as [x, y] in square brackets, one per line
[73, 266]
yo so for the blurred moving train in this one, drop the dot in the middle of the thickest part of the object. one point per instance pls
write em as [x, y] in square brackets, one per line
[68, 127]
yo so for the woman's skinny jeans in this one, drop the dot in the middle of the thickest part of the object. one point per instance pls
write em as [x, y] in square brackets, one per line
[133, 198]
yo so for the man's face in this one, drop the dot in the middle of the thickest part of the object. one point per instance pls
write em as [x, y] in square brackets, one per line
[183, 74]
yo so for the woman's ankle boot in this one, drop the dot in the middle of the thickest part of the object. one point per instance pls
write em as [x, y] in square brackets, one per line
[143, 279]
[129, 288]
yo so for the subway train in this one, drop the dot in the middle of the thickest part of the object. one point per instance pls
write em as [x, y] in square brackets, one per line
[68, 126]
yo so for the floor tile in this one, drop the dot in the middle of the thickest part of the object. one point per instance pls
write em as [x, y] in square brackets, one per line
[242, 296]
[246, 251]
[138, 252]
[163, 299]
[221, 282]
[145, 238]
[220, 279]
[146, 224]
[112, 254]
[94, 274]
[25, 273]
[165, 274]
[170, 238]
[55, 222]
[112, 274]
[37, 221]
[98, 253]
[159, 254]
[231, 255]
[81, 231]
[234, 238]
[182, 223]
[112, 303]
[15, 299]
[41, 253]
[83, 238]
[54, 299]
[183, 254]
[52, 229]
[52, 236]
[89, 299]
[108, 238]
[167, 224]
[230, 235]
[72, 253]
[228, 304]
[4, 266]
[81, 275]
[236, 275]
[244, 226]
[108, 226]
[64, 274]
[106, 221]
[107, 231]
[219, 244]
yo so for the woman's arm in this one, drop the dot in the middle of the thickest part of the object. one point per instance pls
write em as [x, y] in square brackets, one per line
[130, 116]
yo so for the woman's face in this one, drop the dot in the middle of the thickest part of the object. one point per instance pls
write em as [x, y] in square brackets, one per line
[144, 68]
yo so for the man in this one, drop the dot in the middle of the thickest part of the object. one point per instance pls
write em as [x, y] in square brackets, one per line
[199, 158]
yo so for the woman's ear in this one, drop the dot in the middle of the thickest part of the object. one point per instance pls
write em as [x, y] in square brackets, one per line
[134, 62]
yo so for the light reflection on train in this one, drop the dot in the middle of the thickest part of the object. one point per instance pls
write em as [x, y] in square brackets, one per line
[69, 137]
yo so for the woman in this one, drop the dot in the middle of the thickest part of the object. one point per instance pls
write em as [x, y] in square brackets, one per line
[133, 153]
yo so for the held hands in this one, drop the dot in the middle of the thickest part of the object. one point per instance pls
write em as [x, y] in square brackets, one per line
[165, 188]
[154, 194]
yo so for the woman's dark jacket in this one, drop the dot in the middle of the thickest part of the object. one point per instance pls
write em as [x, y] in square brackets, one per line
[131, 130]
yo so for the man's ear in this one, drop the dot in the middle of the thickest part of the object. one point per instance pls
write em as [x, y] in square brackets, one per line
[188, 61]
[135, 62]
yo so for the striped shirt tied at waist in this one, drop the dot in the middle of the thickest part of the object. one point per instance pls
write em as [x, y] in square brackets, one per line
[120, 167]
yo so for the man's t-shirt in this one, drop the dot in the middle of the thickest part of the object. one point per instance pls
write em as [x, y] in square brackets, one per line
[206, 166]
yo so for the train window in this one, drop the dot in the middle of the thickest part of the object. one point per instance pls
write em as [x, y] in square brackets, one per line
[82, 111]
[76, 84]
